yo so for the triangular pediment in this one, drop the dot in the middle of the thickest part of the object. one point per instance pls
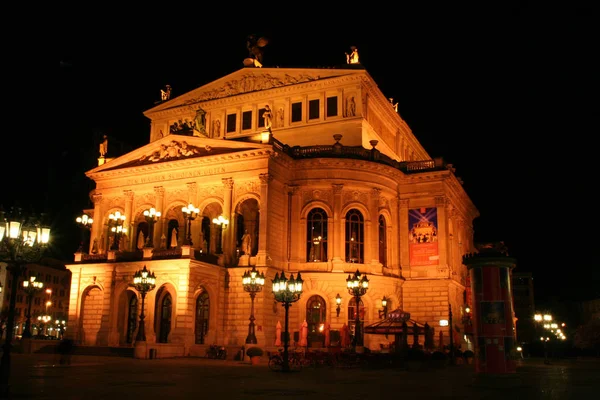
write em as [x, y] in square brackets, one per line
[173, 148]
[247, 80]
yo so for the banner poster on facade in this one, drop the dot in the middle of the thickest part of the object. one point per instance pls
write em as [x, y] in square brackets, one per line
[422, 234]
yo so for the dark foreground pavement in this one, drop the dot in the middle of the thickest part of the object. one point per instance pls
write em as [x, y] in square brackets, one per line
[40, 376]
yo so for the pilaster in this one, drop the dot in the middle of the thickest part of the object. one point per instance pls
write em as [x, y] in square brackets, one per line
[335, 226]
[261, 256]
[159, 227]
[129, 194]
[374, 228]
[98, 222]
[442, 216]
[403, 229]
[227, 237]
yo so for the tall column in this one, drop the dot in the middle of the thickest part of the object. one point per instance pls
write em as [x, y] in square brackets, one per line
[129, 218]
[440, 203]
[403, 229]
[261, 256]
[337, 241]
[227, 237]
[374, 228]
[98, 222]
[160, 227]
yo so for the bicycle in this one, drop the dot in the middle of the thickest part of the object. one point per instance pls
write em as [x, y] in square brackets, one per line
[276, 361]
[215, 351]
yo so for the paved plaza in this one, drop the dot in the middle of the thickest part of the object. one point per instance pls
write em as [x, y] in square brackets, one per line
[40, 376]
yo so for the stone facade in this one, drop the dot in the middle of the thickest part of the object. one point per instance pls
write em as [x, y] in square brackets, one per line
[337, 150]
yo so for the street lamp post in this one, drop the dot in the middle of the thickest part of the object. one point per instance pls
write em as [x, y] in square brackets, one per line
[152, 216]
[384, 308]
[544, 321]
[116, 224]
[144, 281]
[22, 240]
[31, 288]
[189, 214]
[60, 326]
[357, 287]
[287, 292]
[222, 223]
[85, 223]
[42, 322]
[253, 283]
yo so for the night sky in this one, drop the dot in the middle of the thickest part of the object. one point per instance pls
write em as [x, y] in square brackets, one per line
[505, 96]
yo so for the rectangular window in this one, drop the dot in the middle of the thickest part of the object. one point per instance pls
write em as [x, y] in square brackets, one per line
[313, 109]
[261, 120]
[332, 106]
[62, 293]
[246, 120]
[231, 121]
[296, 112]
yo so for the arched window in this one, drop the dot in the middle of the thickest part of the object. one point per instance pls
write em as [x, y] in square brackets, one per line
[316, 316]
[352, 310]
[382, 241]
[202, 312]
[132, 317]
[354, 237]
[316, 236]
[165, 319]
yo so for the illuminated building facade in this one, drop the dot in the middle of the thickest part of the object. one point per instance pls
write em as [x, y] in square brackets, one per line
[321, 172]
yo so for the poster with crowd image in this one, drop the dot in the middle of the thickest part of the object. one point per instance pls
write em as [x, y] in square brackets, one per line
[423, 236]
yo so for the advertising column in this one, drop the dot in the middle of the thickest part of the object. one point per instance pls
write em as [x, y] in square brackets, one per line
[489, 272]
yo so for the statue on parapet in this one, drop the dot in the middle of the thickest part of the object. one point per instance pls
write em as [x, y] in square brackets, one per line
[165, 94]
[352, 58]
[104, 146]
[255, 48]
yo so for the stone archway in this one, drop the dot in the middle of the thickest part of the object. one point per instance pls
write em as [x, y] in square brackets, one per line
[91, 315]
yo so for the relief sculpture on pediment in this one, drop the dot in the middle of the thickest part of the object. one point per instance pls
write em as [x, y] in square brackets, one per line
[251, 83]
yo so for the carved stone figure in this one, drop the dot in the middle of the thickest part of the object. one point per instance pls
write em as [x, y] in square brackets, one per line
[246, 243]
[280, 117]
[165, 94]
[217, 128]
[268, 118]
[350, 107]
[104, 146]
[200, 121]
[352, 58]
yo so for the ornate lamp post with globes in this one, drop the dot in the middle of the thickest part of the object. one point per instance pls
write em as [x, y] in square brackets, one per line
[286, 292]
[152, 216]
[116, 224]
[85, 223]
[253, 283]
[22, 240]
[144, 281]
[357, 287]
[189, 214]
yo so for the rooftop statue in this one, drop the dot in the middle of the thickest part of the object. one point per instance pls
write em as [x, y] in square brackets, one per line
[352, 58]
[165, 94]
[255, 51]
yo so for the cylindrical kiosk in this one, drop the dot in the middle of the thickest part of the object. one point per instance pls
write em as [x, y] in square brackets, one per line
[490, 275]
